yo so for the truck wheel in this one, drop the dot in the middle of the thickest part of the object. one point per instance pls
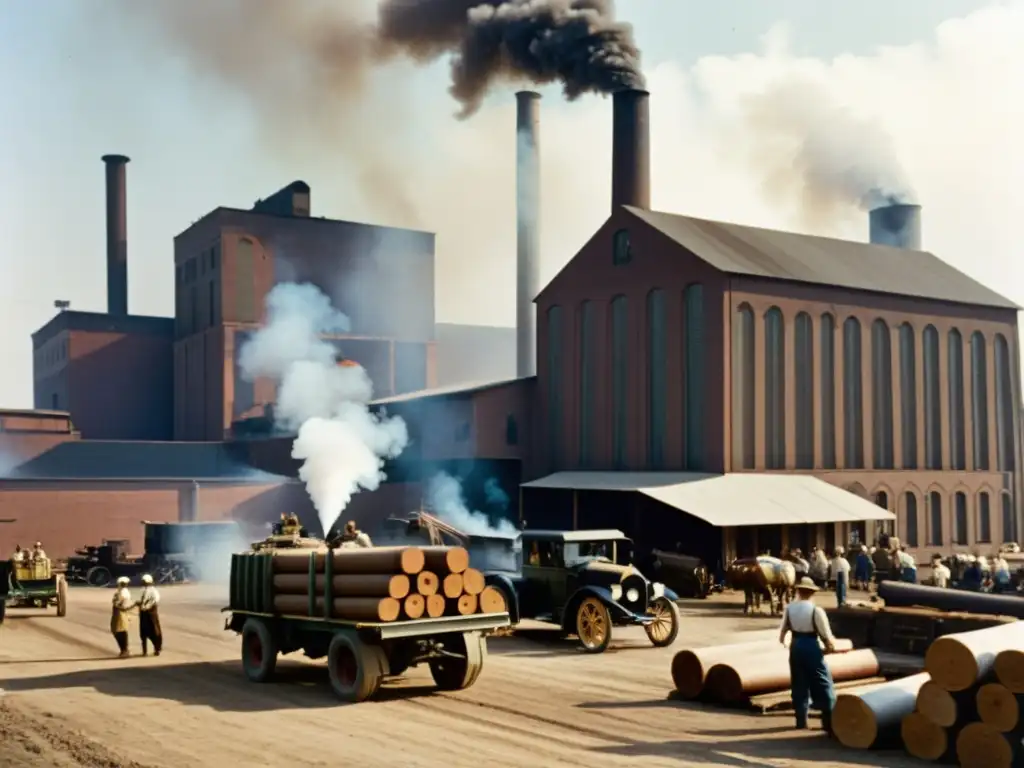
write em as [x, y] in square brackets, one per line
[354, 668]
[455, 674]
[62, 597]
[664, 629]
[98, 576]
[593, 625]
[259, 651]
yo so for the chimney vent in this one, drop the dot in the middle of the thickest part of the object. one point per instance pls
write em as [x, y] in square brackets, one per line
[527, 229]
[897, 225]
[631, 149]
[117, 235]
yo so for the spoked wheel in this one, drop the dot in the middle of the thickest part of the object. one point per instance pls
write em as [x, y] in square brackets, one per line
[455, 674]
[259, 651]
[593, 625]
[664, 629]
[62, 597]
[354, 668]
[98, 576]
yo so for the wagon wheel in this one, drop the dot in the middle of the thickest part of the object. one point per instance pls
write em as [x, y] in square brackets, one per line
[664, 629]
[62, 597]
[259, 651]
[99, 576]
[593, 625]
[355, 669]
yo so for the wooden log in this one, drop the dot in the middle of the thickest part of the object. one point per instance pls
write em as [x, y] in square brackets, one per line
[445, 560]
[452, 586]
[926, 740]
[944, 708]
[492, 600]
[408, 560]
[296, 560]
[435, 606]
[690, 666]
[979, 745]
[427, 583]
[473, 582]
[464, 605]
[870, 716]
[899, 593]
[744, 676]
[957, 662]
[1009, 668]
[414, 606]
[351, 608]
[353, 585]
[999, 707]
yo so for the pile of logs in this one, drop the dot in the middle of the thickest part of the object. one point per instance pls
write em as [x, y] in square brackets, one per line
[382, 584]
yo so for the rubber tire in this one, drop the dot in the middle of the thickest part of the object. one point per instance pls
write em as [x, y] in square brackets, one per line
[62, 597]
[93, 577]
[259, 669]
[371, 665]
[459, 674]
[673, 611]
[603, 646]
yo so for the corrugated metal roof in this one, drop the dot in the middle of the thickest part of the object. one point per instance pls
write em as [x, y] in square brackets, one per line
[732, 500]
[465, 388]
[740, 250]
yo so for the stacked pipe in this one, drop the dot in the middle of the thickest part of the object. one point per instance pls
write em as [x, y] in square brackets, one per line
[381, 584]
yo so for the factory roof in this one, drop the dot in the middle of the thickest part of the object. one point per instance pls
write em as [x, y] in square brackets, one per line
[455, 390]
[101, 322]
[732, 500]
[740, 250]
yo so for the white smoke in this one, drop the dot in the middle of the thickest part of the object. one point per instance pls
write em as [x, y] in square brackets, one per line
[443, 496]
[342, 444]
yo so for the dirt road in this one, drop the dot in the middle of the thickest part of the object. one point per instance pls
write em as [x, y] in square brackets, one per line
[67, 703]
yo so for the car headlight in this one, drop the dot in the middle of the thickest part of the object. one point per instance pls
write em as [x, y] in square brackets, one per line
[616, 592]
[658, 590]
[632, 595]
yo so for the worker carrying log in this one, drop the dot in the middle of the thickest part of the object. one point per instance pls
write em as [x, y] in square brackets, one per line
[149, 617]
[352, 538]
[810, 679]
[120, 605]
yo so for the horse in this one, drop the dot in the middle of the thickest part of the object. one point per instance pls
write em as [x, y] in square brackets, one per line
[760, 577]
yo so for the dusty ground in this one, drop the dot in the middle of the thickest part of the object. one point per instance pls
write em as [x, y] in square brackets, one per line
[67, 703]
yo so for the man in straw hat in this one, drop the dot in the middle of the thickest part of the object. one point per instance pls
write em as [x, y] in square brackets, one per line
[149, 617]
[810, 679]
[120, 605]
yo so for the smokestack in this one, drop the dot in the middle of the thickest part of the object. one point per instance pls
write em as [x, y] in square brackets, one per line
[117, 236]
[631, 149]
[527, 229]
[898, 225]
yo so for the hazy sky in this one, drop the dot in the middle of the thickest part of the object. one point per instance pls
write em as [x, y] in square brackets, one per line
[939, 84]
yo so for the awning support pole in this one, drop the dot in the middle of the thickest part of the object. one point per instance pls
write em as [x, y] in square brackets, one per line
[575, 510]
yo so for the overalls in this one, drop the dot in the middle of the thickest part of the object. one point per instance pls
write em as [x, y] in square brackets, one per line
[810, 679]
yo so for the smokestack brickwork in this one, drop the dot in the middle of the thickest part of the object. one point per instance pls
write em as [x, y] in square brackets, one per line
[631, 149]
[117, 235]
[527, 229]
[896, 225]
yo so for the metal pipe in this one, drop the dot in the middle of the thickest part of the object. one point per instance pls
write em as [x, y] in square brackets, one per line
[117, 235]
[631, 149]
[897, 225]
[527, 229]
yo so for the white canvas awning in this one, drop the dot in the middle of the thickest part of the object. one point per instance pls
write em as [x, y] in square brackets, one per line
[732, 500]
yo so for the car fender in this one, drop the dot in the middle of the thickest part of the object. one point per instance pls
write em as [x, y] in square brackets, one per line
[504, 583]
[617, 610]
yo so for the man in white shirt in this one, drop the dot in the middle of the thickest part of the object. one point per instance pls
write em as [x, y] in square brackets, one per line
[810, 679]
[840, 575]
[149, 617]
[121, 604]
[940, 573]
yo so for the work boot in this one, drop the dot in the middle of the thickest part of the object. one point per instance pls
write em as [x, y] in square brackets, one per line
[124, 654]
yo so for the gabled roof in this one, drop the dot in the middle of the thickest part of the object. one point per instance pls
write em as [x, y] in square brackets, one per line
[455, 390]
[739, 250]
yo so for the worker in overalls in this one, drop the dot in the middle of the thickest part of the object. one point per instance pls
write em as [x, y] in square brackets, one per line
[810, 679]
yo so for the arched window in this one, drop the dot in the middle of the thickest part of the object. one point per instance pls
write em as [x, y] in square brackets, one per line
[622, 249]
[910, 526]
[657, 361]
[1009, 519]
[743, 378]
[245, 281]
[827, 336]
[957, 440]
[932, 401]
[620, 380]
[960, 518]
[803, 377]
[984, 518]
[881, 395]
[588, 381]
[979, 401]
[908, 396]
[775, 389]
[696, 370]
[853, 395]
[935, 518]
[1004, 406]
[555, 361]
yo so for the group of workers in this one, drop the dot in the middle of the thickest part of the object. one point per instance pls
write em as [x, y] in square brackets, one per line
[148, 606]
[35, 555]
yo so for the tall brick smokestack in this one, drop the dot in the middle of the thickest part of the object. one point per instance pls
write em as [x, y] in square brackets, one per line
[527, 229]
[898, 225]
[631, 149]
[117, 235]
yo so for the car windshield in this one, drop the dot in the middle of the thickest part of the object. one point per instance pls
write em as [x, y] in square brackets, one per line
[577, 552]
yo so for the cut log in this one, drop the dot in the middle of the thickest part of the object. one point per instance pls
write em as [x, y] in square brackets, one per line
[408, 560]
[445, 560]
[427, 583]
[744, 676]
[944, 708]
[899, 593]
[999, 707]
[979, 745]
[464, 605]
[435, 606]
[690, 667]
[414, 606]
[925, 740]
[452, 585]
[352, 585]
[957, 662]
[351, 608]
[473, 582]
[296, 560]
[1009, 668]
[492, 600]
[868, 717]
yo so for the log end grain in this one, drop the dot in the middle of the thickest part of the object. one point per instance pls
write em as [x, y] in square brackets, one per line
[446, 559]
[724, 684]
[922, 738]
[979, 745]
[427, 583]
[435, 606]
[937, 705]
[998, 707]
[399, 586]
[452, 586]
[412, 560]
[492, 600]
[951, 664]
[1010, 670]
[853, 722]
[465, 605]
[414, 606]
[688, 674]
[473, 581]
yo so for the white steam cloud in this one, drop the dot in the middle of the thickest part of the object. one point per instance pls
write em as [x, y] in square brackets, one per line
[342, 444]
[443, 496]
